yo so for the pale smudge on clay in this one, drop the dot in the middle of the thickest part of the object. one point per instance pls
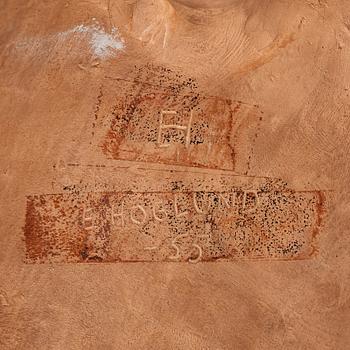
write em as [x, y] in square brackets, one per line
[101, 44]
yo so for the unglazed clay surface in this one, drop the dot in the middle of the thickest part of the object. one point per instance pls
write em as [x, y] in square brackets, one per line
[174, 174]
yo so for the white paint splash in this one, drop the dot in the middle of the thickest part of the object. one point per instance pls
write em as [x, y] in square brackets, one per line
[75, 42]
[101, 43]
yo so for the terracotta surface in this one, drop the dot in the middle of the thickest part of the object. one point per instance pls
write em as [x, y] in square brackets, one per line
[174, 174]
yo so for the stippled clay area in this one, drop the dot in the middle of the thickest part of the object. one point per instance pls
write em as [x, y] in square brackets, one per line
[268, 222]
[159, 115]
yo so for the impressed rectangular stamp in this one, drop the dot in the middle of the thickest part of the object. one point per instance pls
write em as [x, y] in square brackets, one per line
[159, 117]
[203, 219]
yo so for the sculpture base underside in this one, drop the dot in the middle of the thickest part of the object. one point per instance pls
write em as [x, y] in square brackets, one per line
[174, 174]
